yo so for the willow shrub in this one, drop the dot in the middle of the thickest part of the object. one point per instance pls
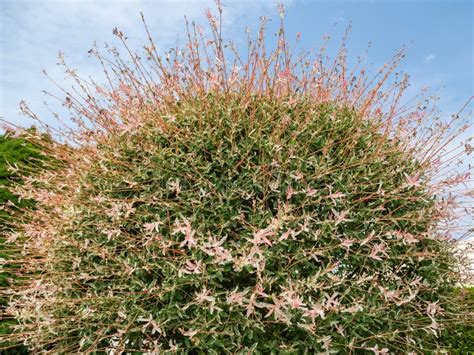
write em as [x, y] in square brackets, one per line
[14, 152]
[205, 203]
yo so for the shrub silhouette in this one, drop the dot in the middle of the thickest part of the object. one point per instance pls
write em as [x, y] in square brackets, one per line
[209, 204]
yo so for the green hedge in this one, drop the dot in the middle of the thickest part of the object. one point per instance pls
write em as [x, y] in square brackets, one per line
[459, 338]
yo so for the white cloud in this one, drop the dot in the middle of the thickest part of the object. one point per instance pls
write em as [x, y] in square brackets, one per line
[429, 58]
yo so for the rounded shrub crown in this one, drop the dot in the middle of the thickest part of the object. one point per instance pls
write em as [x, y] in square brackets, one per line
[217, 211]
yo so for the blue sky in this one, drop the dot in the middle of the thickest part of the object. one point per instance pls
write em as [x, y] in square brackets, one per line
[439, 35]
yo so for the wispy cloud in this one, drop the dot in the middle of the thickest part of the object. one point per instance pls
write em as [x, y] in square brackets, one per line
[429, 58]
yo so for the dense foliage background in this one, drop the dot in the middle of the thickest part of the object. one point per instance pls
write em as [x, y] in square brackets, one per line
[459, 337]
